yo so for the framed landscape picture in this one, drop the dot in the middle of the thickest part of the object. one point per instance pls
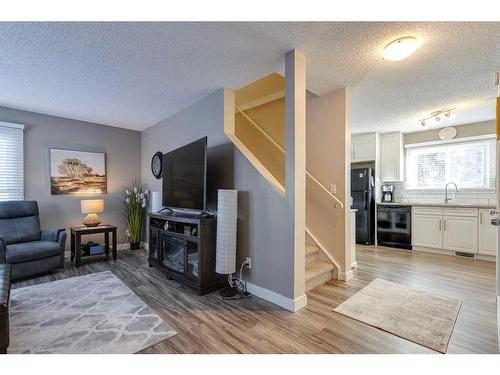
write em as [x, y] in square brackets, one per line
[77, 172]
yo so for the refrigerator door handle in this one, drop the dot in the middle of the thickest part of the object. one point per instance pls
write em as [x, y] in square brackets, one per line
[366, 200]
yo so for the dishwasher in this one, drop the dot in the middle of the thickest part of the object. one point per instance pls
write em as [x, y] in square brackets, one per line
[394, 225]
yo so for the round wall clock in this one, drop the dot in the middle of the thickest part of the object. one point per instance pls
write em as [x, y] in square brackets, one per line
[157, 164]
[447, 134]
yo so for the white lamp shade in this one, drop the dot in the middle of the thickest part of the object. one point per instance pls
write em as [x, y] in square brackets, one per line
[92, 206]
[227, 215]
[156, 201]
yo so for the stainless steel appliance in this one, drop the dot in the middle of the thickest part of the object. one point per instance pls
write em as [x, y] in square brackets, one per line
[394, 225]
[387, 193]
[362, 184]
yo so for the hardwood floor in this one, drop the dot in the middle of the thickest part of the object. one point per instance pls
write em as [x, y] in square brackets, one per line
[209, 324]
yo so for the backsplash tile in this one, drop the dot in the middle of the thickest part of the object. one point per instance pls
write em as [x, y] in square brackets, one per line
[401, 195]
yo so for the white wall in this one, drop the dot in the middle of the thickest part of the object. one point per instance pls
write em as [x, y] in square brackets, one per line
[329, 160]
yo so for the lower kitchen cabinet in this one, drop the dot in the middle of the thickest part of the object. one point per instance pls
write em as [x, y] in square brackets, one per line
[460, 233]
[454, 229]
[487, 234]
[427, 231]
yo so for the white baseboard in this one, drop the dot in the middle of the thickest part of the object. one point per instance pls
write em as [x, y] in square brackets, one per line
[489, 258]
[289, 304]
[498, 319]
[346, 276]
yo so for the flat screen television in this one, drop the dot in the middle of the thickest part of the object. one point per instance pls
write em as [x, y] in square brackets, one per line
[185, 176]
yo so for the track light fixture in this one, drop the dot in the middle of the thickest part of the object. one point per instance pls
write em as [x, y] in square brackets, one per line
[436, 115]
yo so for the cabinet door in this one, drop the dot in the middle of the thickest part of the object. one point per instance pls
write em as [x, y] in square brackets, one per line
[487, 234]
[154, 245]
[426, 231]
[363, 147]
[391, 157]
[460, 233]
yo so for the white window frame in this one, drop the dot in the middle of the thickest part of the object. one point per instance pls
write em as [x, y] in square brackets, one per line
[491, 157]
[21, 171]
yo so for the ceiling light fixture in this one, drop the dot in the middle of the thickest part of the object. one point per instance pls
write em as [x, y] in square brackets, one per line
[401, 48]
[436, 115]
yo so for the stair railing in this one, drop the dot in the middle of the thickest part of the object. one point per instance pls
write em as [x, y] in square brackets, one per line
[338, 202]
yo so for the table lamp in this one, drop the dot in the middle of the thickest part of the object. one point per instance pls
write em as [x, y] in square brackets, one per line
[91, 207]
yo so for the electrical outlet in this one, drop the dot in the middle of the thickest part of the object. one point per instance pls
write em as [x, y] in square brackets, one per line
[333, 188]
[248, 261]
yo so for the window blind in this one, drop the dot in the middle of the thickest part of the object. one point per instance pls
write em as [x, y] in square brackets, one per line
[11, 161]
[469, 164]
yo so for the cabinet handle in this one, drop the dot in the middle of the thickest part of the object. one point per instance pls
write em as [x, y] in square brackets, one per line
[481, 218]
[440, 225]
[444, 225]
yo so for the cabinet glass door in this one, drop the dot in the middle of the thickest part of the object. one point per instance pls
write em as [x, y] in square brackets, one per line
[173, 252]
[154, 245]
[192, 260]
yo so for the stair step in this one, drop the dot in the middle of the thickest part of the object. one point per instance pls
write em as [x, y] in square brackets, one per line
[312, 253]
[318, 273]
[311, 249]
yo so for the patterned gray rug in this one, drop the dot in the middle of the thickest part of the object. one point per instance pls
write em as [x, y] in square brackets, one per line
[95, 313]
[414, 315]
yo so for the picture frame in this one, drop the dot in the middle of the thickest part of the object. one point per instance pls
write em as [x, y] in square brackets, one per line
[74, 172]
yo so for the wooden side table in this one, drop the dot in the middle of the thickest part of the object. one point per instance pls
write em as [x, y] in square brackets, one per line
[76, 234]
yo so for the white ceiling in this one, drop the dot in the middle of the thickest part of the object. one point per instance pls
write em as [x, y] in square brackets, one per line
[133, 75]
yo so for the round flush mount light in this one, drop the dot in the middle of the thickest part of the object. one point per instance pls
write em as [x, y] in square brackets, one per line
[401, 48]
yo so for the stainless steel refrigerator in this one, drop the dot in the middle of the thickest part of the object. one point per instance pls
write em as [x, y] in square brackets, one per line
[363, 200]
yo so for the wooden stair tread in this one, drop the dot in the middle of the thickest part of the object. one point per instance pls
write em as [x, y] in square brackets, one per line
[311, 249]
[317, 268]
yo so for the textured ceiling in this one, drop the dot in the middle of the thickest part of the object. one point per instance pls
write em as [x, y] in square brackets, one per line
[133, 75]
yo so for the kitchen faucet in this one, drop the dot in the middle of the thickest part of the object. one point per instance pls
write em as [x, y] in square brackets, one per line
[446, 198]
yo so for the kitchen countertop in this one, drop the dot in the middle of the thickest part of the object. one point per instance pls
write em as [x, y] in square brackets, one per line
[451, 205]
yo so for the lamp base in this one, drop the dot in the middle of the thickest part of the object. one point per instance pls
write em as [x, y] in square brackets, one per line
[229, 292]
[92, 220]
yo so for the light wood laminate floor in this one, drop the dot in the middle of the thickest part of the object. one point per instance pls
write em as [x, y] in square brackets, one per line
[210, 325]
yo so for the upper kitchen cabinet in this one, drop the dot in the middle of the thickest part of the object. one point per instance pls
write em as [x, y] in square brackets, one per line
[392, 157]
[364, 147]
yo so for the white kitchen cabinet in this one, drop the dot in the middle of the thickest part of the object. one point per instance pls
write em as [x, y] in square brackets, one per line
[392, 157]
[354, 263]
[427, 231]
[487, 234]
[460, 233]
[363, 147]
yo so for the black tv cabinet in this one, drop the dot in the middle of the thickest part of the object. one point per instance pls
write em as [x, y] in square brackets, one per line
[183, 247]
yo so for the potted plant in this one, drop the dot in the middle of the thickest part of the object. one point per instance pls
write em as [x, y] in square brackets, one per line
[135, 203]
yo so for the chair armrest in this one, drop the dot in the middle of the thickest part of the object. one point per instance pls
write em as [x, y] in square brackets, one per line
[3, 245]
[51, 234]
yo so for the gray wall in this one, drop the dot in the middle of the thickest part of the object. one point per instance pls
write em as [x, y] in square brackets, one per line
[122, 148]
[262, 232]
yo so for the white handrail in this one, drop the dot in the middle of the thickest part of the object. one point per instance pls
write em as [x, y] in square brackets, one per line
[323, 249]
[325, 189]
[275, 144]
[264, 133]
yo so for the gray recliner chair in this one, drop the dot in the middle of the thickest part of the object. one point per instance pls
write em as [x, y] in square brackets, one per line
[29, 250]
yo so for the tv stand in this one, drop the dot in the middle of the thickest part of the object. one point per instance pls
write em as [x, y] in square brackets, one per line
[182, 245]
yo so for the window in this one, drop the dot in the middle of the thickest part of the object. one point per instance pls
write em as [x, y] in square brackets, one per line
[470, 164]
[11, 161]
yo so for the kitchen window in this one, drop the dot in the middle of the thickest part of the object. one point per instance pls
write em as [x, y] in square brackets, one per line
[470, 164]
[11, 162]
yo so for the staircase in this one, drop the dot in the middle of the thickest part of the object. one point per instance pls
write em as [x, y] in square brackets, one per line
[318, 272]
[259, 134]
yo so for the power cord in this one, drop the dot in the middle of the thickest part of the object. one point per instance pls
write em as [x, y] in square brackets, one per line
[237, 286]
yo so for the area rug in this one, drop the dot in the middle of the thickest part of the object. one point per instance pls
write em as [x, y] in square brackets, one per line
[95, 313]
[414, 315]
